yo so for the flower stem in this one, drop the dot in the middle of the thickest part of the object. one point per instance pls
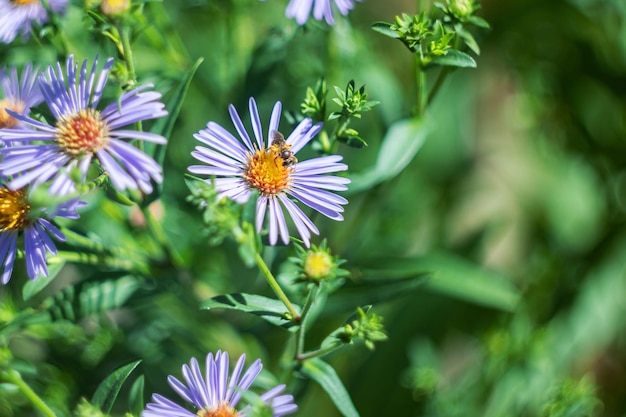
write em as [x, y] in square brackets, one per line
[295, 317]
[318, 352]
[422, 93]
[128, 54]
[13, 377]
[305, 310]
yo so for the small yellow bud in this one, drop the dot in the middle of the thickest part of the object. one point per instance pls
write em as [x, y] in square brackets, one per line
[318, 265]
[114, 7]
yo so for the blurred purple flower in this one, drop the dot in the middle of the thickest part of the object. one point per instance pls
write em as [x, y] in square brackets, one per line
[82, 133]
[240, 167]
[215, 394]
[17, 217]
[18, 16]
[322, 9]
[19, 94]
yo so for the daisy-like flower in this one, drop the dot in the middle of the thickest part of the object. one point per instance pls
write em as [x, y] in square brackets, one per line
[82, 133]
[19, 218]
[18, 16]
[19, 95]
[214, 394]
[241, 166]
[322, 9]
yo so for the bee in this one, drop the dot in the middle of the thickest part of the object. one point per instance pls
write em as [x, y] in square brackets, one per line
[282, 149]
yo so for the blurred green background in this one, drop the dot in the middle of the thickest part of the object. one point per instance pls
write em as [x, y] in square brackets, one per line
[516, 201]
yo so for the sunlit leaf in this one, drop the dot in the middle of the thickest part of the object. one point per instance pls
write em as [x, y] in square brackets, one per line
[268, 309]
[325, 375]
[108, 390]
[454, 58]
[385, 29]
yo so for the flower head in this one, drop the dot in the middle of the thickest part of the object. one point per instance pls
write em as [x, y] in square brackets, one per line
[19, 218]
[215, 394]
[19, 94]
[271, 168]
[82, 133]
[322, 9]
[18, 16]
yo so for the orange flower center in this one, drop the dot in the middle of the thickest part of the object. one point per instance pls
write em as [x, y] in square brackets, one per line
[223, 410]
[82, 133]
[7, 121]
[14, 209]
[266, 171]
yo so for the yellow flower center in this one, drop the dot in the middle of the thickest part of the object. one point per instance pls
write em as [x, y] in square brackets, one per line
[266, 172]
[223, 410]
[318, 265]
[14, 209]
[7, 121]
[82, 133]
[23, 2]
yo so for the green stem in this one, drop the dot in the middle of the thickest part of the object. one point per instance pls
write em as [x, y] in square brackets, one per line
[305, 310]
[128, 54]
[318, 352]
[443, 74]
[295, 317]
[13, 377]
[422, 93]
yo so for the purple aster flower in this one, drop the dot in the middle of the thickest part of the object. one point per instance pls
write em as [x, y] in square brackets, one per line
[215, 394]
[19, 218]
[81, 133]
[18, 16]
[241, 166]
[19, 95]
[322, 9]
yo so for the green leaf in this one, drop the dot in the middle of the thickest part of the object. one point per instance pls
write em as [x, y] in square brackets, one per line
[135, 398]
[478, 21]
[454, 58]
[468, 38]
[449, 275]
[401, 143]
[385, 29]
[165, 125]
[324, 374]
[194, 183]
[268, 309]
[107, 391]
[32, 288]
[87, 298]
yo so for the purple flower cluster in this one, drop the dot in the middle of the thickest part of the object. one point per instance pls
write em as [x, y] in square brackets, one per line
[58, 153]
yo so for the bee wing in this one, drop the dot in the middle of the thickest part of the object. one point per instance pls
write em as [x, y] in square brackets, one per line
[278, 138]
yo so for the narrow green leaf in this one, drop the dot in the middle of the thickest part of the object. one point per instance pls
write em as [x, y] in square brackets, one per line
[325, 375]
[165, 125]
[135, 398]
[401, 143]
[32, 288]
[454, 58]
[108, 390]
[385, 29]
[268, 309]
[479, 21]
[469, 40]
[449, 275]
